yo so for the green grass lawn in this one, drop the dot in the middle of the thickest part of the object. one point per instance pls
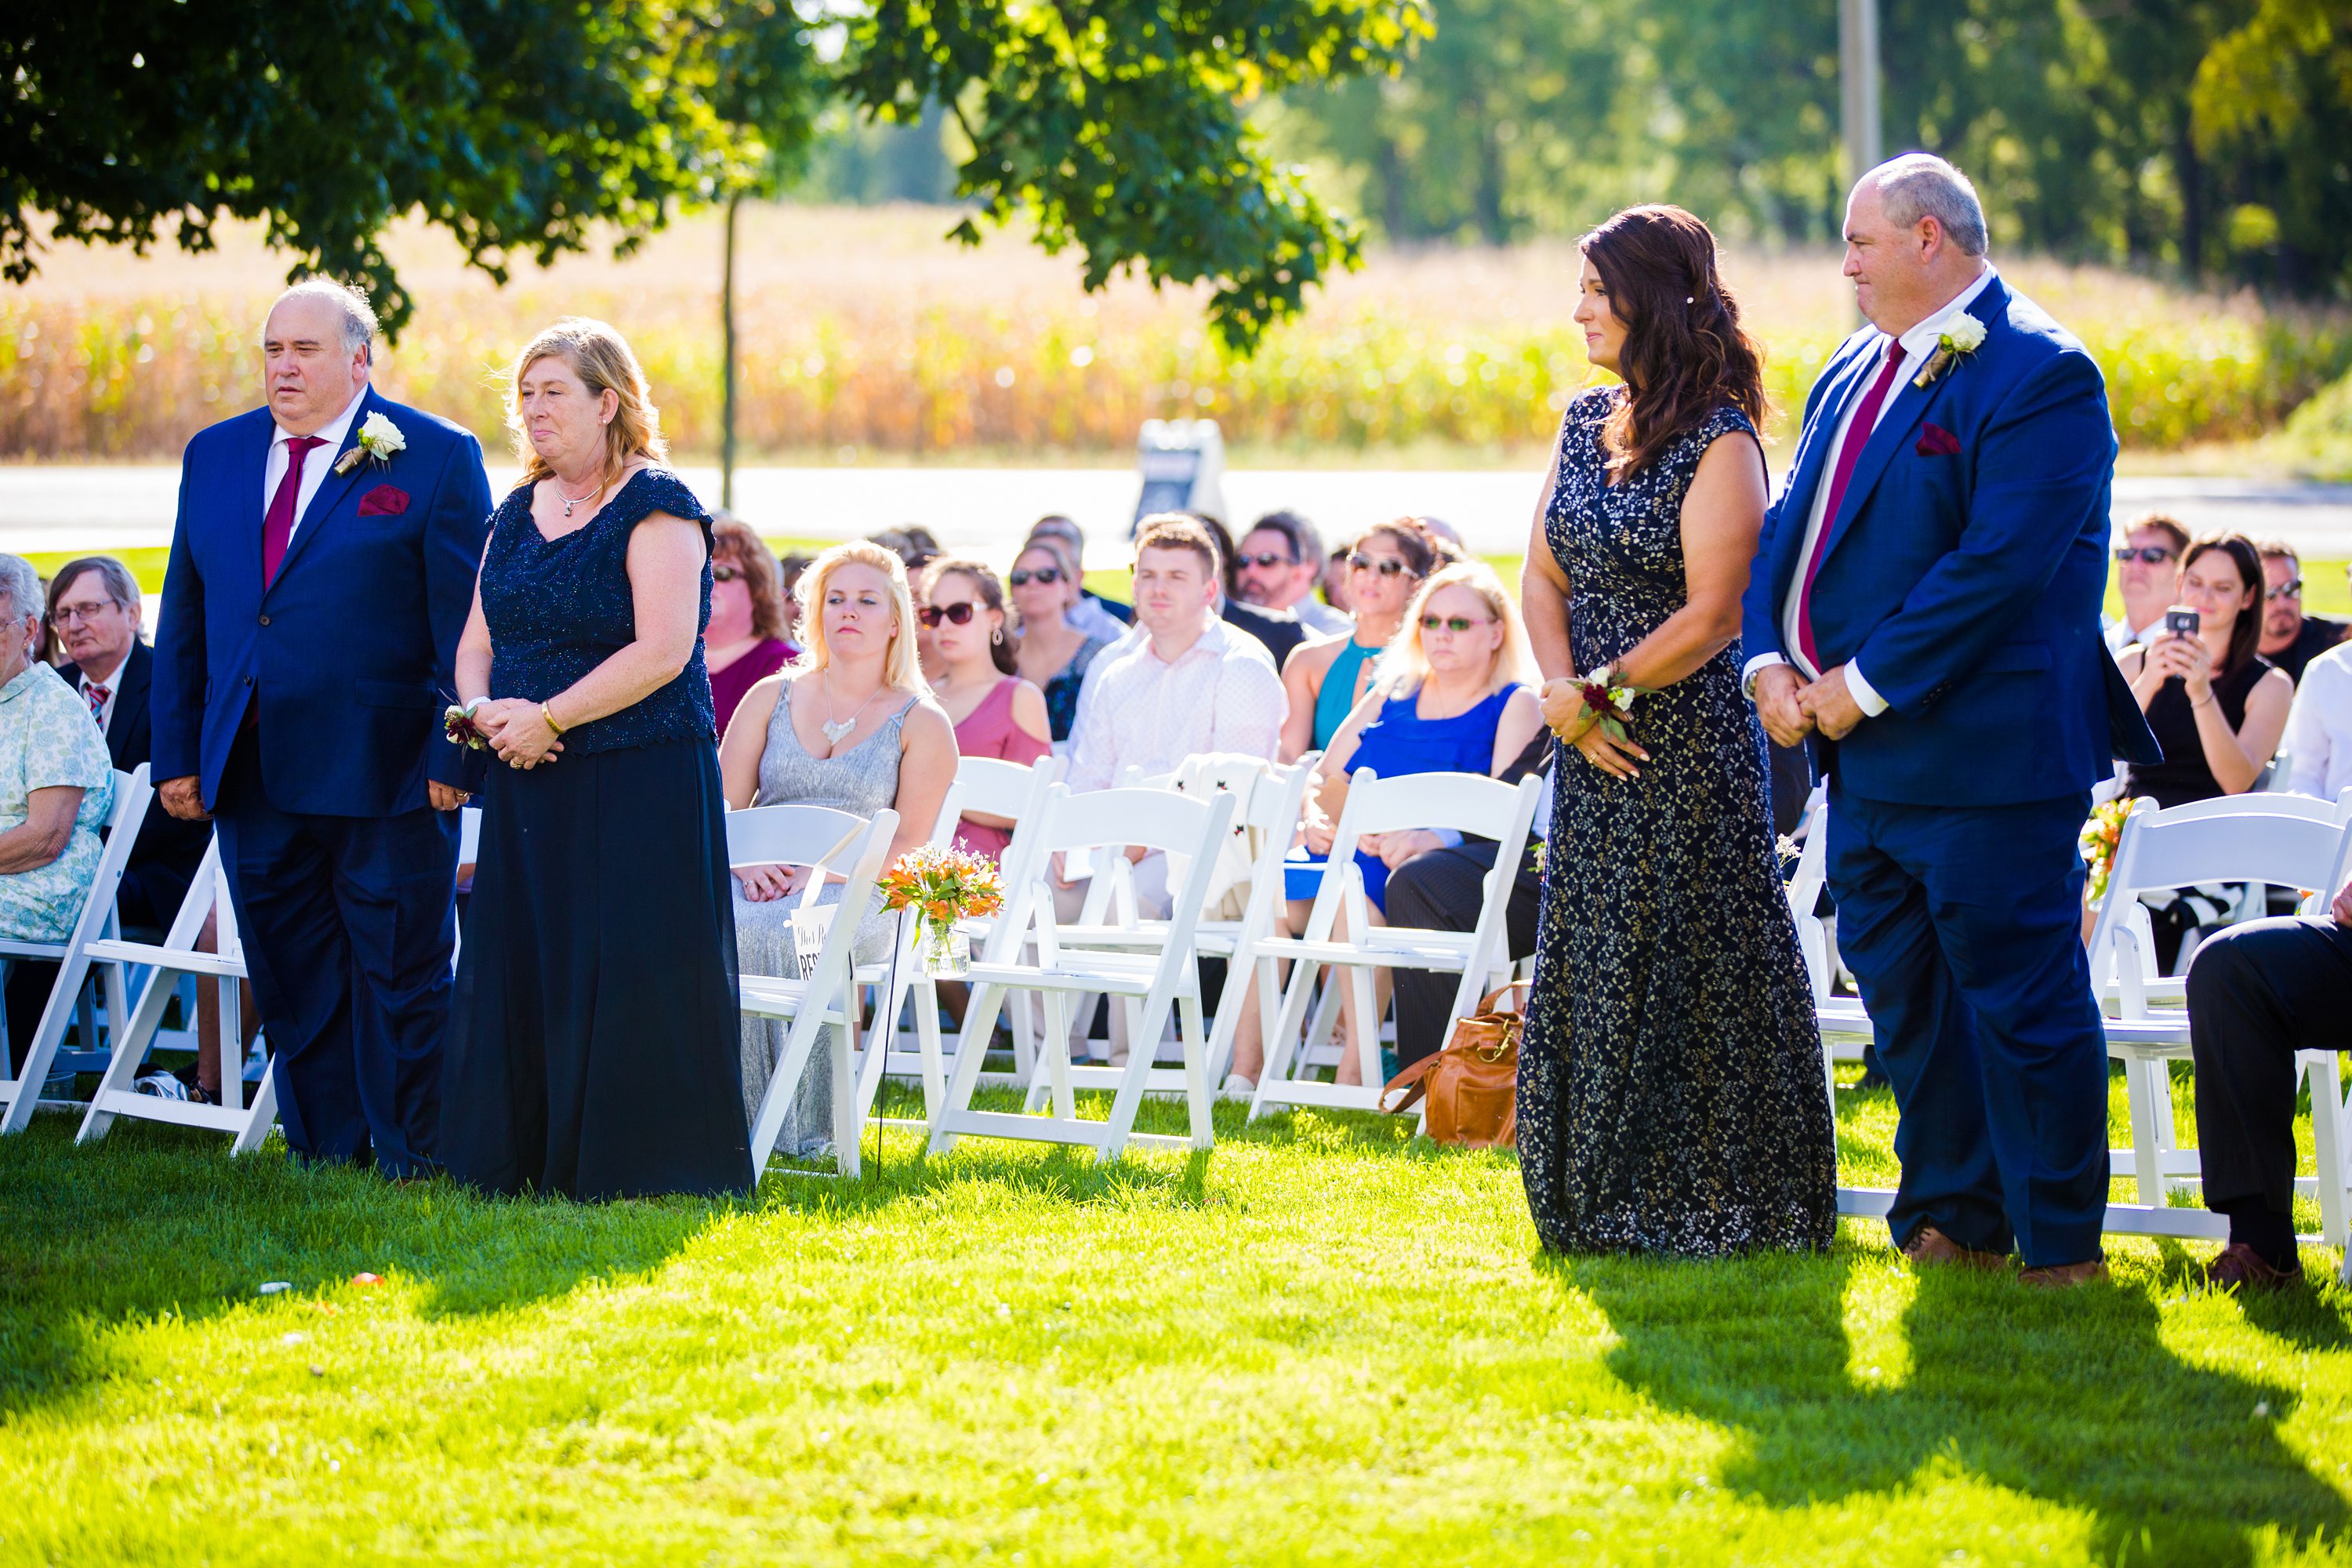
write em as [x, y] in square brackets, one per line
[1318, 1343]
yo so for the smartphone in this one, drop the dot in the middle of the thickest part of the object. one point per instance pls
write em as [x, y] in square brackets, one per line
[2180, 621]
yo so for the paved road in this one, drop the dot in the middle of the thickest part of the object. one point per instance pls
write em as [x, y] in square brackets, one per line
[988, 510]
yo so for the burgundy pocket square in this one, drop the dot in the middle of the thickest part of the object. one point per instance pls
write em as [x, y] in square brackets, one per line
[1935, 441]
[390, 500]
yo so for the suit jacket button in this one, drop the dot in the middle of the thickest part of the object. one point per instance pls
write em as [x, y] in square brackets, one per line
[264, 620]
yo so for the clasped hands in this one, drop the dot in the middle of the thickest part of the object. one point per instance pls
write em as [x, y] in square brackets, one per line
[1792, 707]
[517, 730]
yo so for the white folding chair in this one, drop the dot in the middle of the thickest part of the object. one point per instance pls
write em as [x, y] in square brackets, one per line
[1469, 803]
[993, 788]
[1268, 801]
[247, 1122]
[96, 921]
[2163, 849]
[1148, 984]
[823, 840]
[1844, 1023]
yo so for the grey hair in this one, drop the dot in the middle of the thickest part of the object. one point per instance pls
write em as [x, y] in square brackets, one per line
[21, 585]
[120, 586]
[1920, 185]
[359, 325]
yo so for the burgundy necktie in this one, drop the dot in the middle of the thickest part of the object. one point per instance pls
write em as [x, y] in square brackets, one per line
[1857, 437]
[278, 527]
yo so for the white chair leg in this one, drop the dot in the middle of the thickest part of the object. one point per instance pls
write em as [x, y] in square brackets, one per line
[2327, 1141]
[1196, 1069]
[2148, 1147]
[1056, 1064]
[927, 1039]
[845, 1121]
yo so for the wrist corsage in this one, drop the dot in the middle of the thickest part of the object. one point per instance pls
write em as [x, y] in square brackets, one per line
[1610, 701]
[457, 725]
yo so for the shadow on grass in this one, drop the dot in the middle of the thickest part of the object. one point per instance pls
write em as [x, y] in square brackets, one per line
[2069, 1397]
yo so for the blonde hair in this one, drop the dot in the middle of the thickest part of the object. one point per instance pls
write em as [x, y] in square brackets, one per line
[899, 668]
[1403, 663]
[603, 361]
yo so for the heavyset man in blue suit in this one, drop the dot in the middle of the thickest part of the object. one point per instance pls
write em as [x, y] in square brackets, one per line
[320, 572]
[1926, 605]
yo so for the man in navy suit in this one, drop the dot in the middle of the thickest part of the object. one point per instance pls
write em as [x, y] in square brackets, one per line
[320, 572]
[1926, 606]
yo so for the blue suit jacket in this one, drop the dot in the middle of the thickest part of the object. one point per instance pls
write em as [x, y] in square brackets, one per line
[1966, 587]
[349, 653]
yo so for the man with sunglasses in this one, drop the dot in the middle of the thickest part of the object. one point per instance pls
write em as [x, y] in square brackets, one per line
[2148, 571]
[1277, 567]
[2291, 639]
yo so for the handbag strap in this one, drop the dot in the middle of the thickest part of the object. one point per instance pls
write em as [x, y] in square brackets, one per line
[1410, 1080]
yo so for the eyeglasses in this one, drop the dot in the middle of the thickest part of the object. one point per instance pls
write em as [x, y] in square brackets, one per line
[1020, 576]
[724, 573]
[954, 615]
[1457, 624]
[2154, 554]
[1386, 565]
[66, 614]
[2290, 589]
[1270, 558]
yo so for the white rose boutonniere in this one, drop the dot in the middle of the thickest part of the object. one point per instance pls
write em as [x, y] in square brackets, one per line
[1963, 334]
[379, 438]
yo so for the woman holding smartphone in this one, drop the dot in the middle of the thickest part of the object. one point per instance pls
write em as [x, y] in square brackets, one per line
[2217, 707]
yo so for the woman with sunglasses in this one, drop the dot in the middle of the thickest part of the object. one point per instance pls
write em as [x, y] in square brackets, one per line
[1450, 696]
[994, 711]
[1327, 678]
[746, 642]
[1050, 653]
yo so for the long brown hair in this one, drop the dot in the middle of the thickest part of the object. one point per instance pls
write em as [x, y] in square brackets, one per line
[2246, 631]
[1685, 355]
[990, 594]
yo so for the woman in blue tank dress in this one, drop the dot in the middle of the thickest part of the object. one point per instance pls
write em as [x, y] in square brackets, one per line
[1671, 1098]
[1448, 696]
[592, 1047]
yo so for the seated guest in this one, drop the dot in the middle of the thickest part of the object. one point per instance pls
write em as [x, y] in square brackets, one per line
[1089, 611]
[1188, 684]
[994, 711]
[1280, 558]
[1053, 652]
[2319, 727]
[2147, 566]
[2291, 639]
[93, 608]
[2216, 705]
[848, 725]
[746, 642]
[788, 582]
[1326, 679]
[56, 784]
[1278, 631]
[1450, 696]
[2258, 992]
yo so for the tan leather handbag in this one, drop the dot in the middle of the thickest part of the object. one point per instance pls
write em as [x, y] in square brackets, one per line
[1472, 1083]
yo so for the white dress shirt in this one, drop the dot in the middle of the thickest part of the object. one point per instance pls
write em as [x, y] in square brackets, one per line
[1321, 619]
[315, 466]
[2121, 637]
[2318, 743]
[1088, 615]
[1918, 344]
[1136, 710]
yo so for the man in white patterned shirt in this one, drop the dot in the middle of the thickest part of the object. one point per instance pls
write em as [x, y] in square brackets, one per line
[1188, 684]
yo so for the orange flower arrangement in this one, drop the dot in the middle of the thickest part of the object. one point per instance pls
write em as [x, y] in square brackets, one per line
[2100, 836]
[943, 886]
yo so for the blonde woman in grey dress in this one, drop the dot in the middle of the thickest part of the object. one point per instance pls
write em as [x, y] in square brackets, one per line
[850, 725]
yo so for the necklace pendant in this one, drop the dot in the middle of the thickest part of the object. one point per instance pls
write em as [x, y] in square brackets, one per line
[567, 507]
[834, 729]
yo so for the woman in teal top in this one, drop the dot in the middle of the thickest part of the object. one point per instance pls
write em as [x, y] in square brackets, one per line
[1327, 678]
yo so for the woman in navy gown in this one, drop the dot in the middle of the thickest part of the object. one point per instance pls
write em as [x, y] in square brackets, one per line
[593, 1047]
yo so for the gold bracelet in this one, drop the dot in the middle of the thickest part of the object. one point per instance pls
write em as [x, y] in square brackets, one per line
[551, 724]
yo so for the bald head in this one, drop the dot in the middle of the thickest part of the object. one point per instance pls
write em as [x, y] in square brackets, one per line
[1914, 239]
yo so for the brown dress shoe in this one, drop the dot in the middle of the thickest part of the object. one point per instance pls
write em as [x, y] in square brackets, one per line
[2240, 1266]
[2064, 1276]
[1929, 1244]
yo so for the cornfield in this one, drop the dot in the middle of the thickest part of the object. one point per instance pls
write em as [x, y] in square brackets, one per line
[864, 332]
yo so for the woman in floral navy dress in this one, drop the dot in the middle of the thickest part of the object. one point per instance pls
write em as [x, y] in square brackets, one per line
[1670, 1094]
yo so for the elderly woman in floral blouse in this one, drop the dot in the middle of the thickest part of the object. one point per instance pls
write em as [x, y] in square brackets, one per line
[55, 782]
